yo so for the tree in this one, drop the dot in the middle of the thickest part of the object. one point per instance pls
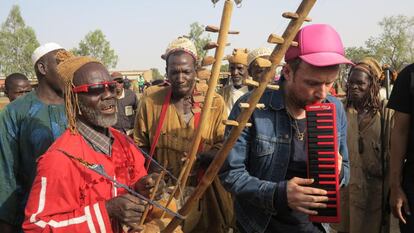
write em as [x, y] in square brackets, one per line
[156, 74]
[395, 45]
[224, 68]
[95, 45]
[195, 35]
[356, 54]
[17, 43]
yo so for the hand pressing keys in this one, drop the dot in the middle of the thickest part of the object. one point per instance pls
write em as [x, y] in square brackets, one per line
[302, 198]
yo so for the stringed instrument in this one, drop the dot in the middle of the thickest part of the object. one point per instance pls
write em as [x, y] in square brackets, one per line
[212, 77]
[283, 43]
[202, 98]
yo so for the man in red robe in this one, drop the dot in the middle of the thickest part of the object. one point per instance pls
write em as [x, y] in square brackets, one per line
[66, 196]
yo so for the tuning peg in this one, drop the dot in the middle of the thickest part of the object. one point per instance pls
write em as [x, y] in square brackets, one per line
[247, 105]
[292, 15]
[210, 28]
[263, 63]
[212, 45]
[203, 74]
[251, 83]
[275, 39]
[260, 106]
[234, 123]
[244, 105]
[234, 32]
[273, 87]
[208, 60]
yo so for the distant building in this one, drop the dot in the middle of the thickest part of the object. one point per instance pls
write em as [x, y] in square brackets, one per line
[133, 75]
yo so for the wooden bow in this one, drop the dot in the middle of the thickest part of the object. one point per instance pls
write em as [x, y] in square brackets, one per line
[212, 83]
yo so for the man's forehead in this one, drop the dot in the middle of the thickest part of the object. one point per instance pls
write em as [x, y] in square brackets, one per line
[92, 73]
[315, 78]
[20, 82]
[237, 65]
[179, 58]
[179, 65]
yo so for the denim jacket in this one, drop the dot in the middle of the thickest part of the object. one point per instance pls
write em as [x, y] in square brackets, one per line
[256, 167]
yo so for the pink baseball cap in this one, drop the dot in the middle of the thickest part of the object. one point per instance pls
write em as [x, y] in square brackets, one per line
[318, 45]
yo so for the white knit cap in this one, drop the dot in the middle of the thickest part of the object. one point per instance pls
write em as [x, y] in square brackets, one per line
[44, 49]
[257, 53]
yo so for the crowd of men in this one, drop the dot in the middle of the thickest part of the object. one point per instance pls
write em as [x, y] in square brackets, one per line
[80, 115]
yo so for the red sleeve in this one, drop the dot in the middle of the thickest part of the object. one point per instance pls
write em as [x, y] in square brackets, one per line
[53, 204]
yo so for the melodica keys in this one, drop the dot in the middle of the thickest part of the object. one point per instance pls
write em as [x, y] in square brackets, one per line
[322, 151]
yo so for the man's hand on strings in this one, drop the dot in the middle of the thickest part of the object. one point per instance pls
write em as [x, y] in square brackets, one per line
[146, 185]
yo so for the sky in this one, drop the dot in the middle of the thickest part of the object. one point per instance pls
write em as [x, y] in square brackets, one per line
[140, 30]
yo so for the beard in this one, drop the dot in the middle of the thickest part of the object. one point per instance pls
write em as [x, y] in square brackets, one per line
[94, 117]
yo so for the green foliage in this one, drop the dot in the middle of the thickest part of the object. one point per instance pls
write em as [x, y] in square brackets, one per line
[356, 54]
[224, 68]
[196, 35]
[395, 45]
[95, 45]
[17, 43]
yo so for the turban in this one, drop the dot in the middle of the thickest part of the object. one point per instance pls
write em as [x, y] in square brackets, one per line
[259, 52]
[239, 56]
[68, 65]
[370, 66]
[116, 75]
[181, 44]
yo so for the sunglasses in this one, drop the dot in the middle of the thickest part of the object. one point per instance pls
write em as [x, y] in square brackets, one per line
[95, 88]
[119, 81]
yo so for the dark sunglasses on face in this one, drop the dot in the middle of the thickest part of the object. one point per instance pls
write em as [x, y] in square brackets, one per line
[119, 81]
[95, 88]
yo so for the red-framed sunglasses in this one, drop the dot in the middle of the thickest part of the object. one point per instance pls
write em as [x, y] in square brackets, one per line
[95, 88]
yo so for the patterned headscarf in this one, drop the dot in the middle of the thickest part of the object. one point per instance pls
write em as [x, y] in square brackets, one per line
[370, 66]
[181, 44]
[259, 52]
